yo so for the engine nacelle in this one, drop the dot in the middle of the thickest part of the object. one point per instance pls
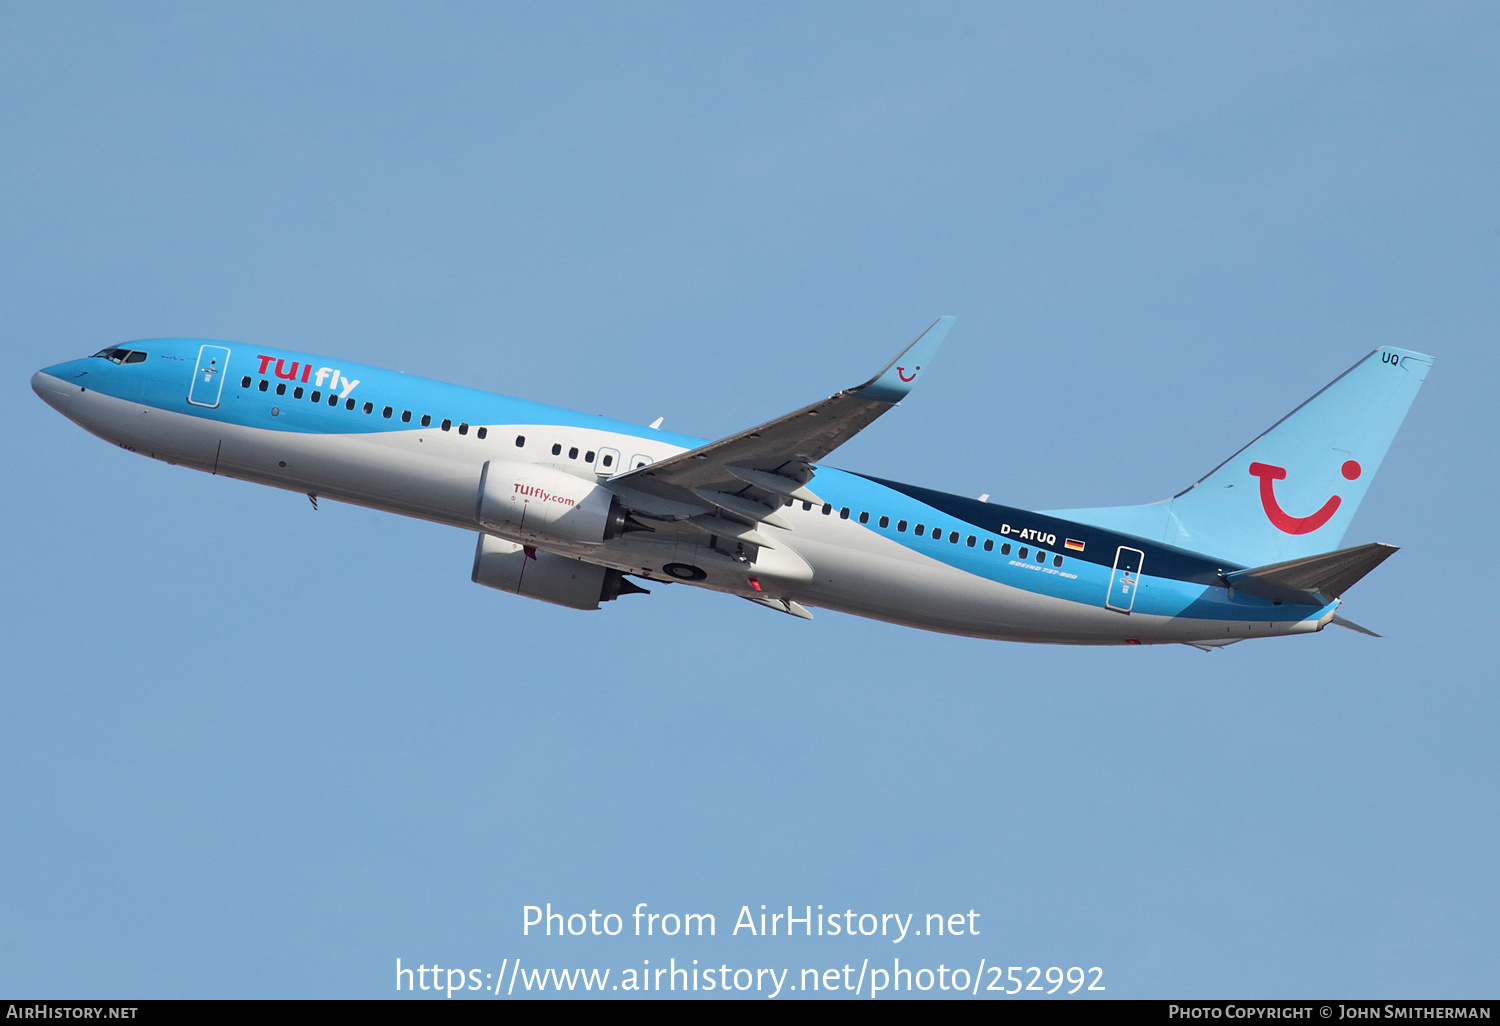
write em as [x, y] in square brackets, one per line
[533, 503]
[538, 574]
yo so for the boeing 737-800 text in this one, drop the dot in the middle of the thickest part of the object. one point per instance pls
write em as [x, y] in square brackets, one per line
[569, 507]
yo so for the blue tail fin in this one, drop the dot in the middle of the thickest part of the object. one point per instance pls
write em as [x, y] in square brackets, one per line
[1291, 492]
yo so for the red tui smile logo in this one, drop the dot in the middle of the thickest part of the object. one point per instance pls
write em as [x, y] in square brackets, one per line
[1285, 521]
[901, 373]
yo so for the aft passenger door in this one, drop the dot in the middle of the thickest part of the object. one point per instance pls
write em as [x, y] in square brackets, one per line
[1125, 579]
[208, 376]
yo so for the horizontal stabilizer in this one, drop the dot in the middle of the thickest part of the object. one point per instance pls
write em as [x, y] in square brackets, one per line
[1311, 580]
[1350, 625]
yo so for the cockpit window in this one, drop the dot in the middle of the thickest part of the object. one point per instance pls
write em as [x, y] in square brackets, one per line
[114, 355]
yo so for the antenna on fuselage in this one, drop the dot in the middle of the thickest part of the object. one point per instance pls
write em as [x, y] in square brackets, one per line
[657, 422]
[312, 499]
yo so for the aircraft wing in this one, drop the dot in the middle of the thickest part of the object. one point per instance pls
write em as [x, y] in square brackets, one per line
[748, 474]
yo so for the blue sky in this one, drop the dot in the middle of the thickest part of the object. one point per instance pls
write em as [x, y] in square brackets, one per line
[256, 750]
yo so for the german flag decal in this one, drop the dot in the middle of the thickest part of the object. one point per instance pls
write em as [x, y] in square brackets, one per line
[1074, 544]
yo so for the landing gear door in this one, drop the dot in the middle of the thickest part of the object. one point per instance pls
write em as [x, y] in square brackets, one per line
[1125, 579]
[208, 376]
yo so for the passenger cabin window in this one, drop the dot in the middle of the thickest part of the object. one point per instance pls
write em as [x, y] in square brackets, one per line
[482, 432]
[827, 508]
[427, 420]
[921, 529]
[281, 388]
[1057, 560]
[386, 413]
[953, 537]
[864, 518]
[588, 457]
[245, 381]
[556, 449]
[463, 429]
[264, 384]
[317, 396]
[971, 541]
[447, 425]
[1041, 557]
[369, 408]
[1005, 549]
[844, 513]
[333, 400]
[885, 521]
[406, 416]
[1023, 552]
[573, 453]
[297, 392]
[807, 505]
[901, 525]
[520, 441]
[937, 532]
[609, 461]
[989, 545]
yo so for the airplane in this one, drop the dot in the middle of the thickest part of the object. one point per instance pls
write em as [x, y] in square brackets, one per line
[574, 509]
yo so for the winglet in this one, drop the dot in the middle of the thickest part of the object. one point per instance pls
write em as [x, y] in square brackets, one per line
[896, 378]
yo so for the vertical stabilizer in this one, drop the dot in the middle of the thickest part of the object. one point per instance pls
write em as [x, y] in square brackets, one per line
[1292, 491]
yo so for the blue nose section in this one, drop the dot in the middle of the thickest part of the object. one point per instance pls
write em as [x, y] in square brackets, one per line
[73, 370]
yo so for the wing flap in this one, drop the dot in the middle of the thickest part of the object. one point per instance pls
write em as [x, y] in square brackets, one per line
[740, 506]
[776, 484]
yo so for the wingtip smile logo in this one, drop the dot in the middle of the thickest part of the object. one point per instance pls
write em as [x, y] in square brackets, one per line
[1284, 521]
[908, 378]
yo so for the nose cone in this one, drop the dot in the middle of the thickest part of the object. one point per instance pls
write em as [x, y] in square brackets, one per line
[53, 389]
